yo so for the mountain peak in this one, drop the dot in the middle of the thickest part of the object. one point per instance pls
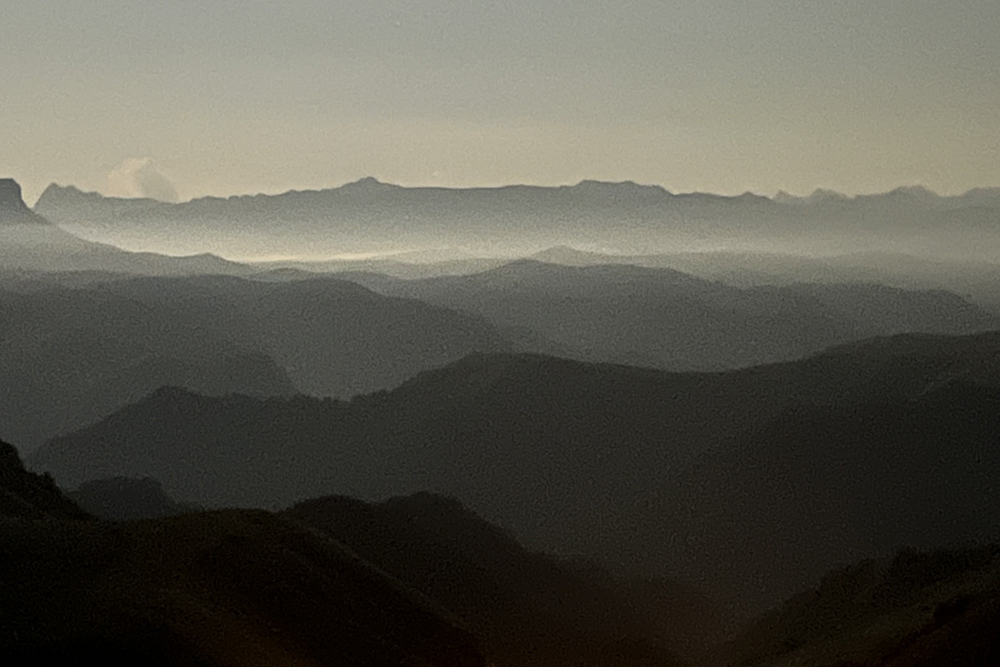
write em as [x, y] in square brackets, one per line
[13, 210]
[367, 184]
[10, 196]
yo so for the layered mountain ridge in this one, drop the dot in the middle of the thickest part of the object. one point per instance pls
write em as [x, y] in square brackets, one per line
[626, 465]
[370, 216]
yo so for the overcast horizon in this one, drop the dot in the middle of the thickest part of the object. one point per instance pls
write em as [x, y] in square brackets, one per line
[185, 100]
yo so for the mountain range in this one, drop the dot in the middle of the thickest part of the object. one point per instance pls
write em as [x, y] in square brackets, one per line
[370, 216]
[621, 464]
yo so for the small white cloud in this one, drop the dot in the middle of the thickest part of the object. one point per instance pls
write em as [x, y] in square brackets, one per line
[139, 177]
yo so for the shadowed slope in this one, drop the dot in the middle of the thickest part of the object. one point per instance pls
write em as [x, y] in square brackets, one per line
[919, 609]
[527, 607]
[27, 495]
[213, 589]
[592, 459]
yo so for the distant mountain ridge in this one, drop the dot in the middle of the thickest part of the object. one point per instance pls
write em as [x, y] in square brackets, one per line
[372, 216]
[370, 185]
[30, 242]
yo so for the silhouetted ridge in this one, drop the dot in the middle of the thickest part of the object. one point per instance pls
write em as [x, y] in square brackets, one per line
[25, 494]
[528, 608]
[213, 589]
[664, 318]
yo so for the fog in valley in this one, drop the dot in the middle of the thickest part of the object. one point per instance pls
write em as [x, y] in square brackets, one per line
[490, 335]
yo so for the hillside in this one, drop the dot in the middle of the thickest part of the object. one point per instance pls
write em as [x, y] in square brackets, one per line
[125, 499]
[920, 609]
[594, 459]
[528, 608]
[214, 589]
[26, 495]
[977, 281]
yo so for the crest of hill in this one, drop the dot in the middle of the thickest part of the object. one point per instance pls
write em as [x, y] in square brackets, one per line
[370, 217]
[55, 195]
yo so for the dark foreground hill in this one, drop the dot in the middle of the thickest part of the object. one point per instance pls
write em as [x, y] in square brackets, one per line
[126, 499]
[224, 588]
[528, 608]
[918, 609]
[524, 607]
[26, 495]
[687, 475]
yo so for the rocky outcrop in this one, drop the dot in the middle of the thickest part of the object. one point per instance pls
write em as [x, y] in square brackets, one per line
[13, 210]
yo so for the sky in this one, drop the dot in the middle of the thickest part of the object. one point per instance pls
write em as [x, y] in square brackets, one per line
[177, 99]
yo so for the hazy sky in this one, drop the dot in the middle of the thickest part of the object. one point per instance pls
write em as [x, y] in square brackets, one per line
[184, 98]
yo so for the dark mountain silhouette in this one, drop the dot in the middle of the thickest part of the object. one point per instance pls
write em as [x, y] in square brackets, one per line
[527, 607]
[126, 499]
[369, 216]
[24, 494]
[920, 609]
[13, 210]
[74, 355]
[206, 589]
[600, 460]
[666, 319]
